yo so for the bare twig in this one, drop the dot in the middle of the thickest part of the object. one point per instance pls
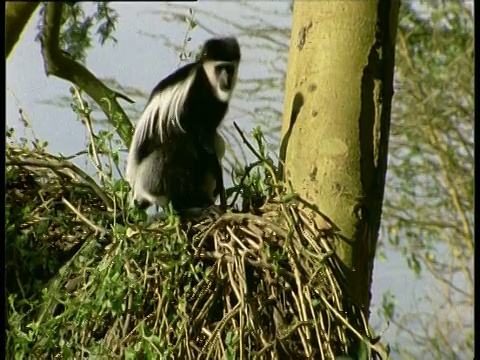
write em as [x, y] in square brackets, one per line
[88, 123]
[97, 229]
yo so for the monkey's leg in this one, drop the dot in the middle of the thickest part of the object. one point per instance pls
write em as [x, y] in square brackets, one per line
[223, 197]
[142, 204]
[219, 186]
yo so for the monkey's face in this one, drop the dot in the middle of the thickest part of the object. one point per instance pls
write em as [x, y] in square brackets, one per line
[222, 76]
[220, 58]
[226, 75]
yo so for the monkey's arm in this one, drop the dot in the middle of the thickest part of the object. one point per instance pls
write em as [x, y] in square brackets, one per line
[145, 159]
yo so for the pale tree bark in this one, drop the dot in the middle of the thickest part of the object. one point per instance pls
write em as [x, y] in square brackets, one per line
[336, 122]
[17, 15]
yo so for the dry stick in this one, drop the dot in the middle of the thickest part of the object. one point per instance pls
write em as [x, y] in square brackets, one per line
[375, 348]
[259, 233]
[293, 222]
[129, 305]
[218, 329]
[243, 277]
[236, 290]
[216, 255]
[111, 335]
[243, 313]
[188, 348]
[277, 324]
[325, 330]
[19, 283]
[258, 220]
[98, 229]
[203, 311]
[314, 230]
[304, 234]
[312, 239]
[365, 325]
[334, 291]
[201, 289]
[194, 346]
[146, 267]
[23, 116]
[293, 329]
[227, 245]
[249, 238]
[308, 348]
[316, 210]
[165, 323]
[205, 235]
[238, 241]
[297, 301]
[159, 306]
[324, 243]
[312, 311]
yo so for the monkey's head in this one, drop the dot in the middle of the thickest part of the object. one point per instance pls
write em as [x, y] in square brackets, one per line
[220, 58]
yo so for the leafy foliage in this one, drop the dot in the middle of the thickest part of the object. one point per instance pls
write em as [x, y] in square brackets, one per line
[429, 216]
[77, 27]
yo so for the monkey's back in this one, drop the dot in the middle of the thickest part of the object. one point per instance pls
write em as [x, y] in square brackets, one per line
[184, 171]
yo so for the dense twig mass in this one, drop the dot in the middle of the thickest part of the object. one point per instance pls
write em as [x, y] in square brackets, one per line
[259, 283]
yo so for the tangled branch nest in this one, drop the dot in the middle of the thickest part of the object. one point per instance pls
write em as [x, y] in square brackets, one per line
[43, 183]
[261, 284]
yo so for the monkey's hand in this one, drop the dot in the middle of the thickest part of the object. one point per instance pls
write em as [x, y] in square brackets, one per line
[212, 212]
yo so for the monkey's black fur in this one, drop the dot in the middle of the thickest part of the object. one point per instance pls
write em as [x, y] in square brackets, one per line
[184, 159]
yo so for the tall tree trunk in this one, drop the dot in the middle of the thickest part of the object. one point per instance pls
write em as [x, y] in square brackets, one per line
[336, 121]
[17, 14]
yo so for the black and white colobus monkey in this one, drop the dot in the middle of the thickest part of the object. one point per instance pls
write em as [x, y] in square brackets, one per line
[176, 152]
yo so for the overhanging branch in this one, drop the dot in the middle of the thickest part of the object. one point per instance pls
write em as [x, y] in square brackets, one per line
[59, 64]
[17, 15]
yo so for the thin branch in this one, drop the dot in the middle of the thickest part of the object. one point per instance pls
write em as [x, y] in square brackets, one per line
[97, 229]
[88, 124]
[64, 67]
